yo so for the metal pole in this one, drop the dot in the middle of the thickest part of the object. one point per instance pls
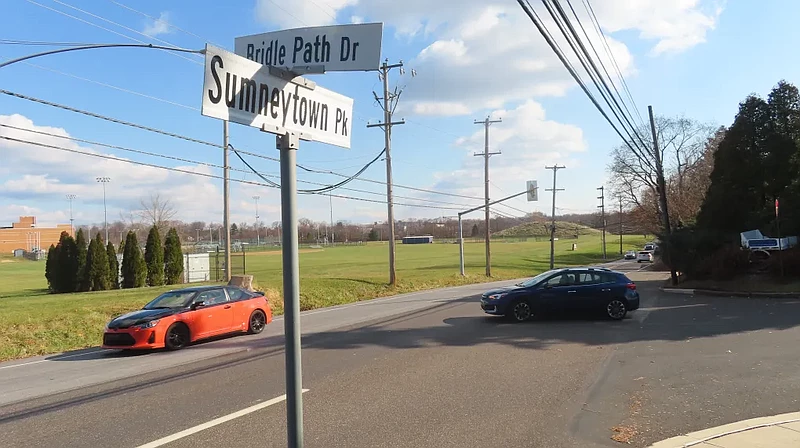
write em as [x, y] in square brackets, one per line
[258, 238]
[662, 192]
[461, 246]
[226, 198]
[555, 169]
[104, 181]
[602, 207]
[288, 145]
[71, 221]
[620, 225]
[330, 199]
[487, 219]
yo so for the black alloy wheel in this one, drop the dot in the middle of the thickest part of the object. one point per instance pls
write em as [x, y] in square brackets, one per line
[258, 320]
[616, 309]
[177, 336]
[520, 311]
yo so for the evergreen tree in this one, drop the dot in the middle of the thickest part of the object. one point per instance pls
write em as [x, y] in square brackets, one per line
[234, 230]
[373, 235]
[154, 257]
[113, 266]
[51, 268]
[173, 258]
[121, 248]
[134, 270]
[97, 265]
[67, 265]
[475, 230]
[83, 279]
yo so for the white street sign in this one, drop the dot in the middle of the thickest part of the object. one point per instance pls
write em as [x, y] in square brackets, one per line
[533, 191]
[332, 48]
[244, 92]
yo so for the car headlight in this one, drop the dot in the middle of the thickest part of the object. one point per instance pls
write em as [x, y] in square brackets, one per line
[147, 325]
[496, 296]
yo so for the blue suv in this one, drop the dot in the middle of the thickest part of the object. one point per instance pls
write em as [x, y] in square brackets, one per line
[564, 290]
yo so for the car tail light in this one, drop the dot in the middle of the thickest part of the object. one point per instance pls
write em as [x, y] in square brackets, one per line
[631, 286]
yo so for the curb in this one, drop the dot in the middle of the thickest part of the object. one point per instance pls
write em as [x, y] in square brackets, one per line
[745, 294]
[698, 438]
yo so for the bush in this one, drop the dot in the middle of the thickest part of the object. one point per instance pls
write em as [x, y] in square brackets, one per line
[113, 266]
[83, 280]
[689, 251]
[51, 268]
[97, 266]
[67, 277]
[173, 258]
[727, 262]
[791, 263]
[154, 257]
[134, 270]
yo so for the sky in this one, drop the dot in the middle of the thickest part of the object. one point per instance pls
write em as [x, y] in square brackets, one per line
[472, 59]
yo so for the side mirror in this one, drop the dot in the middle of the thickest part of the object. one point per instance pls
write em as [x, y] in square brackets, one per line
[548, 286]
[197, 305]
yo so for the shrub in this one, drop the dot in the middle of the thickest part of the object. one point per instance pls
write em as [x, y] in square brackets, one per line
[97, 266]
[113, 266]
[173, 258]
[134, 270]
[154, 257]
[51, 268]
[83, 279]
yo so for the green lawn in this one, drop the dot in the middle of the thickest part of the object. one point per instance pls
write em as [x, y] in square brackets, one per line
[33, 322]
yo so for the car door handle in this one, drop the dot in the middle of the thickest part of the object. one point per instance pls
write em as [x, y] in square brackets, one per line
[571, 292]
[227, 307]
[606, 289]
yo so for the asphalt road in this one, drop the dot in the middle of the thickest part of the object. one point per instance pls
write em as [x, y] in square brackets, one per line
[431, 370]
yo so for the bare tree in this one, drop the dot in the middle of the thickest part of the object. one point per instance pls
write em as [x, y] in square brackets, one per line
[682, 144]
[157, 210]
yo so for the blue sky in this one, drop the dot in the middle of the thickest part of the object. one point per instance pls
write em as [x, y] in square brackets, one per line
[473, 58]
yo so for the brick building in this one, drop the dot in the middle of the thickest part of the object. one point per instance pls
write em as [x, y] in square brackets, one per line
[26, 235]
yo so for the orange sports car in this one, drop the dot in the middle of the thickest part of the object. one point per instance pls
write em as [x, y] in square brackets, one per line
[177, 318]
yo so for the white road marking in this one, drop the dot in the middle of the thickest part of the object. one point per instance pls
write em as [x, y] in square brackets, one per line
[215, 422]
[50, 360]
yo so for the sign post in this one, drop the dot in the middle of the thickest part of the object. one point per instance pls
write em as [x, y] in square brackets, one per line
[280, 102]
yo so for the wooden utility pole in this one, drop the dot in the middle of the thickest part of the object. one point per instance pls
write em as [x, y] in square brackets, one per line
[555, 169]
[486, 154]
[602, 208]
[662, 194]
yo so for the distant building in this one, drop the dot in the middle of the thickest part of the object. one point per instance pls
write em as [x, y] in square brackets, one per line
[418, 239]
[26, 235]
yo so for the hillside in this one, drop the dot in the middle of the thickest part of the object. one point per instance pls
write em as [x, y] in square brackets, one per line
[542, 229]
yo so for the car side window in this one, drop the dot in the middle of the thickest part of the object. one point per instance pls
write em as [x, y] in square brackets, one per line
[607, 278]
[565, 279]
[236, 294]
[213, 297]
[588, 278]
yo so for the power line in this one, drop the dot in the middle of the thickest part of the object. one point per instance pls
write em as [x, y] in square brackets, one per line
[41, 42]
[216, 145]
[157, 19]
[211, 176]
[103, 28]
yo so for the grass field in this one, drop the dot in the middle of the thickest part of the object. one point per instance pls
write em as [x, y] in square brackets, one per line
[33, 322]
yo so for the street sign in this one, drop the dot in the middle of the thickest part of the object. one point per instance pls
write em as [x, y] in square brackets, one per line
[533, 191]
[319, 49]
[246, 92]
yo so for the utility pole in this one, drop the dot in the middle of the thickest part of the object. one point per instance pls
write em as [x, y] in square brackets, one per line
[330, 199]
[71, 221]
[620, 225]
[662, 193]
[226, 198]
[258, 238]
[389, 103]
[486, 154]
[602, 208]
[104, 181]
[555, 169]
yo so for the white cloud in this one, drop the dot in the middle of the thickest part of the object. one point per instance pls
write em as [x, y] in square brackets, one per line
[50, 174]
[158, 26]
[356, 19]
[299, 13]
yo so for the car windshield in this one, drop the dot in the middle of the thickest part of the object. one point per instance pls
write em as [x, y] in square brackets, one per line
[171, 299]
[536, 280]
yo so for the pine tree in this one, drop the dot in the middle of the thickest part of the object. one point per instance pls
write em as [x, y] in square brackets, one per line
[154, 257]
[51, 268]
[113, 266]
[173, 258]
[67, 265]
[97, 265]
[373, 235]
[475, 230]
[121, 248]
[83, 278]
[134, 270]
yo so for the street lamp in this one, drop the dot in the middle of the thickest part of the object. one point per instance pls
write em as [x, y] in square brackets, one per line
[71, 221]
[258, 239]
[104, 181]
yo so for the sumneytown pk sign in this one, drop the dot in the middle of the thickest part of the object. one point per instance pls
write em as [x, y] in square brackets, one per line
[245, 92]
[316, 49]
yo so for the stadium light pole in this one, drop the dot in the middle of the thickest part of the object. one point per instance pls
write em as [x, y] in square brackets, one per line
[258, 239]
[70, 197]
[104, 181]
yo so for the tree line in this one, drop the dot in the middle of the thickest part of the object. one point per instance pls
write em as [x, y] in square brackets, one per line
[75, 266]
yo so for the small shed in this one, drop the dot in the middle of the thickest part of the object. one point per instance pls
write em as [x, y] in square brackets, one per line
[19, 253]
